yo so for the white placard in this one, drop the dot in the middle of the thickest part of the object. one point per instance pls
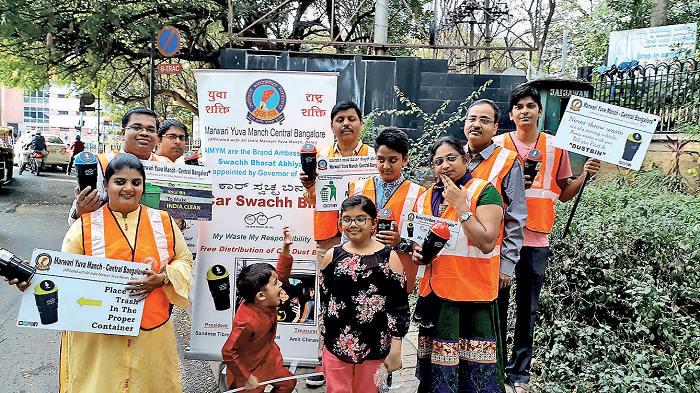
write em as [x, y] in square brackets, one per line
[254, 124]
[334, 175]
[82, 293]
[184, 191]
[652, 44]
[610, 133]
[416, 226]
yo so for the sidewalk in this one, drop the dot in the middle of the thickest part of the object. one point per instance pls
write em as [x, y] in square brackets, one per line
[404, 380]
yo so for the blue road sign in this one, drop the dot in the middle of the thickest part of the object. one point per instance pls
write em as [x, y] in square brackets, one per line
[168, 41]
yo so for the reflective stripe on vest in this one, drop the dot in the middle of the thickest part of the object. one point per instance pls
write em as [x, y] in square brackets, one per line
[465, 273]
[326, 223]
[544, 192]
[103, 237]
[496, 167]
[401, 201]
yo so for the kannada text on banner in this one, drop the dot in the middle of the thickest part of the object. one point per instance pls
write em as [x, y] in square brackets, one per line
[81, 293]
[254, 125]
[616, 135]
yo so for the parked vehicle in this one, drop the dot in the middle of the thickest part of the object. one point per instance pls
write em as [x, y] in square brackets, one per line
[5, 158]
[57, 148]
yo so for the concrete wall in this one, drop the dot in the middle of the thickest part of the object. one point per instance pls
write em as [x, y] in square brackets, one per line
[369, 81]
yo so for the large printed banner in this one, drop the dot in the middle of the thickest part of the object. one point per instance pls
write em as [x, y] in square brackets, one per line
[607, 132]
[254, 125]
[81, 293]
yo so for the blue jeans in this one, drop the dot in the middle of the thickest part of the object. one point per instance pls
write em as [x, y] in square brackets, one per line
[529, 276]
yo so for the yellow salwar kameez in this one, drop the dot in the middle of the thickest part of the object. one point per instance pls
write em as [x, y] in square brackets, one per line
[147, 363]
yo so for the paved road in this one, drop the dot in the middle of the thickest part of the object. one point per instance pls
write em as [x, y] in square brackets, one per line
[33, 214]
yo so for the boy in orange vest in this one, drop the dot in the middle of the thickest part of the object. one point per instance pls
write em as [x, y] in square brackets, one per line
[392, 191]
[250, 353]
[504, 169]
[551, 183]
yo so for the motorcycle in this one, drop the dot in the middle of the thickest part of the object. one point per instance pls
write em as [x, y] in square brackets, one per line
[36, 162]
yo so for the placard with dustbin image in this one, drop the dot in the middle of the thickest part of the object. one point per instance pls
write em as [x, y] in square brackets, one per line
[416, 226]
[81, 293]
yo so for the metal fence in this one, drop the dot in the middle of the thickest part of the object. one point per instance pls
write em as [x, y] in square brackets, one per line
[670, 90]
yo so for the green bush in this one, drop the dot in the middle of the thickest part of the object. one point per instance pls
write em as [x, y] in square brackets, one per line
[619, 307]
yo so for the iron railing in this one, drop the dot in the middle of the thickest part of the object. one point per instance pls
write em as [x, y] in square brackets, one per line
[669, 90]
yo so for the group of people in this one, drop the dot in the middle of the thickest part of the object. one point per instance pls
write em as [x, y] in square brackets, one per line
[365, 275]
[505, 217]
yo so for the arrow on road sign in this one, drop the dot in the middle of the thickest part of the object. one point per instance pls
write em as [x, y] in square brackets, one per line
[87, 302]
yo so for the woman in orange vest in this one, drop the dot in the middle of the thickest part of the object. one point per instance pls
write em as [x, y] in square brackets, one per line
[125, 230]
[458, 338]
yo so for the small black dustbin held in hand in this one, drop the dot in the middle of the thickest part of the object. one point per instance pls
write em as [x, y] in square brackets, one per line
[220, 287]
[634, 140]
[437, 237]
[86, 170]
[308, 160]
[12, 267]
[532, 164]
[386, 220]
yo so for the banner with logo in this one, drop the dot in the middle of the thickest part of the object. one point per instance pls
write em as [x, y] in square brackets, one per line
[610, 133]
[254, 124]
[81, 293]
[334, 175]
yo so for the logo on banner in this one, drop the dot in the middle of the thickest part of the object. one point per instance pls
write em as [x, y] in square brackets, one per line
[265, 100]
[576, 105]
[43, 261]
[259, 218]
[322, 165]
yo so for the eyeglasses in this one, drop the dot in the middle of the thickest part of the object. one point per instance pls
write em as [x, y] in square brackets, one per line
[172, 137]
[439, 160]
[359, 221]
[139, 129]
[483, 120]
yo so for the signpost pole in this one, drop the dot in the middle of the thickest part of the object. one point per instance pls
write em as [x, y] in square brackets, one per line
[152, 87]
[573, 208]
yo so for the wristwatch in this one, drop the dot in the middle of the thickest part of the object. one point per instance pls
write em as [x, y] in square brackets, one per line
[465, 216]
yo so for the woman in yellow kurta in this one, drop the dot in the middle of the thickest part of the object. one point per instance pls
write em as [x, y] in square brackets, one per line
[124, 229]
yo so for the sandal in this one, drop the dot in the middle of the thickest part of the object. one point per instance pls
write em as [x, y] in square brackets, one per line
[522, 387]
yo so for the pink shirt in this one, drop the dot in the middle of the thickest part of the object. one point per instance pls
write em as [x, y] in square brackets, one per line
[536, 239]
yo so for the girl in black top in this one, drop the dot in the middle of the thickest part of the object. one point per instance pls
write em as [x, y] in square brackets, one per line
[363, 301]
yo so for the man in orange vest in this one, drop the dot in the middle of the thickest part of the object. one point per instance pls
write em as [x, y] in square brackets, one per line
[139, 129]
[504, 169]
[346, 124]
[390, 190]
[551, 183]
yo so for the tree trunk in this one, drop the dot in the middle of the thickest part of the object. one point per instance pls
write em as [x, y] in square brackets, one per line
[659, 12]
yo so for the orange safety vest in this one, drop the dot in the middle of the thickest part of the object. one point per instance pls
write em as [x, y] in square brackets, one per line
[401, 201]
[464, 274]
[154, 245]
[496, 167]
[326, 223]
[105, 158]
[544, 192]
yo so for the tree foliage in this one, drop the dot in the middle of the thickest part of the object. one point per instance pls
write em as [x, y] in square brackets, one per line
[104, 45]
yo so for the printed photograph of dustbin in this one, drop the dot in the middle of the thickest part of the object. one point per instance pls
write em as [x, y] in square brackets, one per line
[220, 287]
[299, 298]
[634, 140]
[46, 297]
[184, 191]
